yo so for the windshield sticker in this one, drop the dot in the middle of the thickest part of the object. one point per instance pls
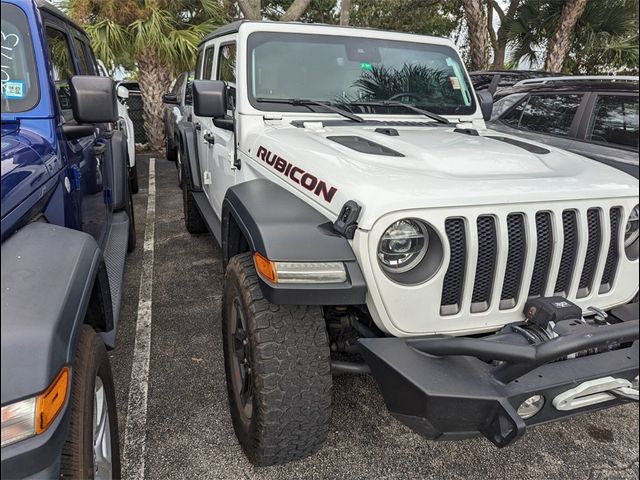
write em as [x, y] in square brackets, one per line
[13, 89]
[366, 66]
[455, 83]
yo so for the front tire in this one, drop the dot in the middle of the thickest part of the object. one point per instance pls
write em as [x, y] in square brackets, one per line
[92, 447]
[192, 219]
[171, 151]
[134, 187]
[278, 370]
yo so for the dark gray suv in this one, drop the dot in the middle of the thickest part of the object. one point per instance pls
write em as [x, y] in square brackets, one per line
[592, 116]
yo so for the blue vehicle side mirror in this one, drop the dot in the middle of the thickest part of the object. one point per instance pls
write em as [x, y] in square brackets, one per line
[93, 99]
[485, 97]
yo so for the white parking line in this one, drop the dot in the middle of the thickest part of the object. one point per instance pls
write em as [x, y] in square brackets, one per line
[133, 453]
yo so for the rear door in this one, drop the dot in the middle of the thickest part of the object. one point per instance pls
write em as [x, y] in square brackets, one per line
[85, 156]
[609, 130]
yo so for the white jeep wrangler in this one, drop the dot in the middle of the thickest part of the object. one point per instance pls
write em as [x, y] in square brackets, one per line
[369, 222]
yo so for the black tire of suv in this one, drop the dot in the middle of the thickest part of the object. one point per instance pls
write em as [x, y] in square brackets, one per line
[134, 187]
[91, 362]
[290, 365]
[171, 151]
[192, 219]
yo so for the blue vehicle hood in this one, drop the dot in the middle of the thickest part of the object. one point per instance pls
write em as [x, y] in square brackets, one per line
[27, 163]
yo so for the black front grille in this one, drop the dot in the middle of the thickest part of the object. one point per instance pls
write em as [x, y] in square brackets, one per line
[485, 267]
[544, 253]
[593, 252]
[611, 265]
[454, 278]
[515, 259]
[569, 251]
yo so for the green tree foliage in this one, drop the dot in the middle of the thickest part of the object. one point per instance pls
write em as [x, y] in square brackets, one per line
[604, 40]
[426, 17]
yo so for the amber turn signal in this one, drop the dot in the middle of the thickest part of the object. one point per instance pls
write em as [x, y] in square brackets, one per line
[265, 267]
[50, 403]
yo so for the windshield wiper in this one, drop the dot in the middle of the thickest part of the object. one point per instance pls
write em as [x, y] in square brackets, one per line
[307, 103]
[409, 106]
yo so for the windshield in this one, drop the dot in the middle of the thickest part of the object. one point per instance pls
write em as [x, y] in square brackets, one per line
[349, 70]
[19, 80]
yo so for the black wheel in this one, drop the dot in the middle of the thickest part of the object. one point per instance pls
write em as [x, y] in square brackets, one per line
[179, 166]
[192, 219]
[131, 242]
[278, 370]
[92, 448]
[133, 179]
[171, 151]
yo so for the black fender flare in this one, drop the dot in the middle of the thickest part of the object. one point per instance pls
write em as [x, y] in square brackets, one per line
[282, 227]
[118, 150]
[187, 135]
[48, 274]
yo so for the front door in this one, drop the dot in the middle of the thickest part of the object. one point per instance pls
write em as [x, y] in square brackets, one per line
[222, 156]
[204, 125]
[87, 171]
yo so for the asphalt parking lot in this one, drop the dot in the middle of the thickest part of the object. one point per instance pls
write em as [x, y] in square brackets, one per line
[180, 428]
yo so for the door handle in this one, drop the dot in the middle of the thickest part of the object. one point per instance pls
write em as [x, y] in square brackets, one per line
[208, 136]
[99, 149]
[197, 126]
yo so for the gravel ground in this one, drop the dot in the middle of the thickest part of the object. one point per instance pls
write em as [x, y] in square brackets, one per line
[189, 433]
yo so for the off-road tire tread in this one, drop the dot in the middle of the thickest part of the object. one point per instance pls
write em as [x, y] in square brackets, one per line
[134, 186]
[77, 452]
[292, 372]
[171, 151]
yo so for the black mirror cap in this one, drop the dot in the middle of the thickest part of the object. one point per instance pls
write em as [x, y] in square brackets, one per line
[209, 98]
[170, 99]
[486, 103]
[93, 99]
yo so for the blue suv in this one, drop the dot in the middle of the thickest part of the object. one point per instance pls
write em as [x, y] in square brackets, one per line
[67, 224]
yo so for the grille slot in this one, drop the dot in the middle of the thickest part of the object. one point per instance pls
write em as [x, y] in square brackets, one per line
[569, 252]
[594, 244]
[544, 252]
[454, 278]
[486, 264]
[611, 264]
[515, 261]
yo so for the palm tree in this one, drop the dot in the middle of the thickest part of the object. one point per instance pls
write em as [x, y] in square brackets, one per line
[159, 36]
[604, 37]
[560, 42]
[477, 30]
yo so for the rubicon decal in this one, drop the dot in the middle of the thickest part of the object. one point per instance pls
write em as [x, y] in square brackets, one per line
[297, 174]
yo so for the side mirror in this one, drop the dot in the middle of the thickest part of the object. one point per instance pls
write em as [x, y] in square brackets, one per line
[486, 103]
[93, 99]
[209, 98]
[170, 99]
[123, 92]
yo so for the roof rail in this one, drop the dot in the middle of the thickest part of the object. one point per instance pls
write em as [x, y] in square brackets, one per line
[577, 78]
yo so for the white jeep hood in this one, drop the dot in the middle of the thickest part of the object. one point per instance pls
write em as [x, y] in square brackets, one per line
[439, 168]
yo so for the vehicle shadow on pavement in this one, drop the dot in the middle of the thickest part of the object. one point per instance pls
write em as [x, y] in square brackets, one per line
[189, 433]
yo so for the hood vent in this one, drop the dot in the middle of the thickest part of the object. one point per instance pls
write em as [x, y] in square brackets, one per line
[518, 143]
[363, 145]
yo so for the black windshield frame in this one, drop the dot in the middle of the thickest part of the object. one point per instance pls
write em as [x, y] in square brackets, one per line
[255, 39]
[15, 16]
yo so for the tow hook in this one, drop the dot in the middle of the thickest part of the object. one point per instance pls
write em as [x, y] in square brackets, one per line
[596, 391]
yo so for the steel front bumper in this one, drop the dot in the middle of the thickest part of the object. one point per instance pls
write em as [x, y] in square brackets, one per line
[444, 388]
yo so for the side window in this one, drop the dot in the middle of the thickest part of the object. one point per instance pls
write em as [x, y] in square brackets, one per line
[615, 120]
[227, 63]
[227, 71]
[513, 117]
[505, 104]
[207, 71]
[199, 64]
[551, 114]
[188, 92]
[82, 56]
[62, 64]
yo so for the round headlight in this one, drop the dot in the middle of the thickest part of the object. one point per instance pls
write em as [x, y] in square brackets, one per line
[403, 245]
[631, 229]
